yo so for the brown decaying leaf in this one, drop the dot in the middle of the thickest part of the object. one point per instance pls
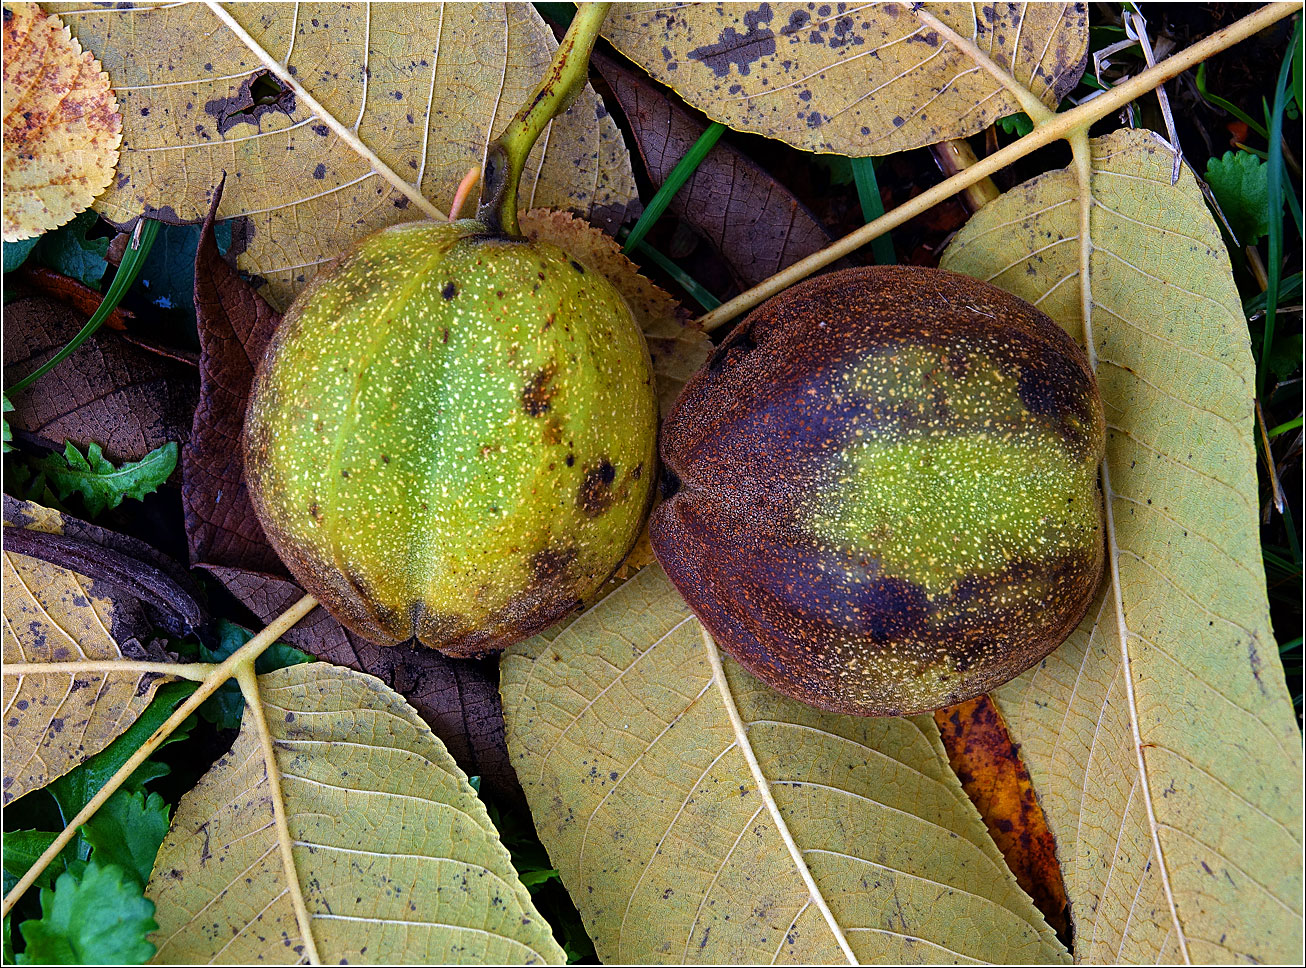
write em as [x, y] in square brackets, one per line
[54, 720]
[235, 324]
[993, 776]
[78, 295]
[676, 346]
[458, 698]
[757, 224]
[120, 396]
[62, 128]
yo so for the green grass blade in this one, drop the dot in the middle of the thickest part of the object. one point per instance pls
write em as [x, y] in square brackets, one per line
[1229, 106]
[682, 278]
[675, 181]
[1283, 428]
[1274, 266]
[131, 266]
[868, 192]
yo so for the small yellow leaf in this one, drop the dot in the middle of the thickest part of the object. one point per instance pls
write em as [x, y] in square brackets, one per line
[393, 853]
[677, 346]
[61, 124]
[55, 719]
[854, 79]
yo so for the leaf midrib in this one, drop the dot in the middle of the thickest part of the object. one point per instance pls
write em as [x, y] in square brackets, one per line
[764, 791]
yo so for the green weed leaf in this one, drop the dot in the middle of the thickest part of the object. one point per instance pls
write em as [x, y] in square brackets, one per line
[101, 917]
[127, 831]
[1240, 182]
[16, 253]
[23, 847]
[8, 433]
[225, 707]
[70, 252]
[101, 484]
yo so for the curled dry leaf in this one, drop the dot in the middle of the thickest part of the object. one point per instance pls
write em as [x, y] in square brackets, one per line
[62, 128]
[1160, 736]
[128, 400]
[52, 616]
[677, 346]
[989, 767]
[391, 851]
[695, 815]
[854, 79]
[423, 85]
[176, 604]
[757, 224]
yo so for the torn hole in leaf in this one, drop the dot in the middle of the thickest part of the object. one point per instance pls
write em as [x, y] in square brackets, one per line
[258, 94]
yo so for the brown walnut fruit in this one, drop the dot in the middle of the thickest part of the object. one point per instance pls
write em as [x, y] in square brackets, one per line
[882, 490]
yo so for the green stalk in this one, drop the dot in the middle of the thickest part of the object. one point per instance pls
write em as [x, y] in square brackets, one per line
[132, 264]
[682, 278]
[561, 83]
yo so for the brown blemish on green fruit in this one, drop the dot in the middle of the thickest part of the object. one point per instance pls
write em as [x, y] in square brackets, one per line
[537, 393]
[884, 490]
[596, 494]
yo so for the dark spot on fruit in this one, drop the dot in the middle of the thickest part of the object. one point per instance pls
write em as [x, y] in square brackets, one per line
[596, 495]
[550, 565]
[637, 473]
[736, 346]
[577, 266]
[449, 290]
[571, 460]
[537, 394]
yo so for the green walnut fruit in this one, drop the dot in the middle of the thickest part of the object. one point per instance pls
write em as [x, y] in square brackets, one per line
[452, 436]
[882, 490]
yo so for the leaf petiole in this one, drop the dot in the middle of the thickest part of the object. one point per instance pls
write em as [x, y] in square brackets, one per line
[240, 659]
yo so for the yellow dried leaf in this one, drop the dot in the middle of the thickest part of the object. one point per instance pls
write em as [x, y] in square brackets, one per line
[854, 79]
[695, 815]
[1160, 736]
[424, 86]
[61, 124]
[392, 852]
[54, 719]
[676, 345]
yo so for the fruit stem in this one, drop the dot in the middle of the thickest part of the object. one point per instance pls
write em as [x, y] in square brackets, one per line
[563, 80]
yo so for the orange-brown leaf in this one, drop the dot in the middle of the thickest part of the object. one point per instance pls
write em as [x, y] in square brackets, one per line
[62, 128]
[990, 769]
